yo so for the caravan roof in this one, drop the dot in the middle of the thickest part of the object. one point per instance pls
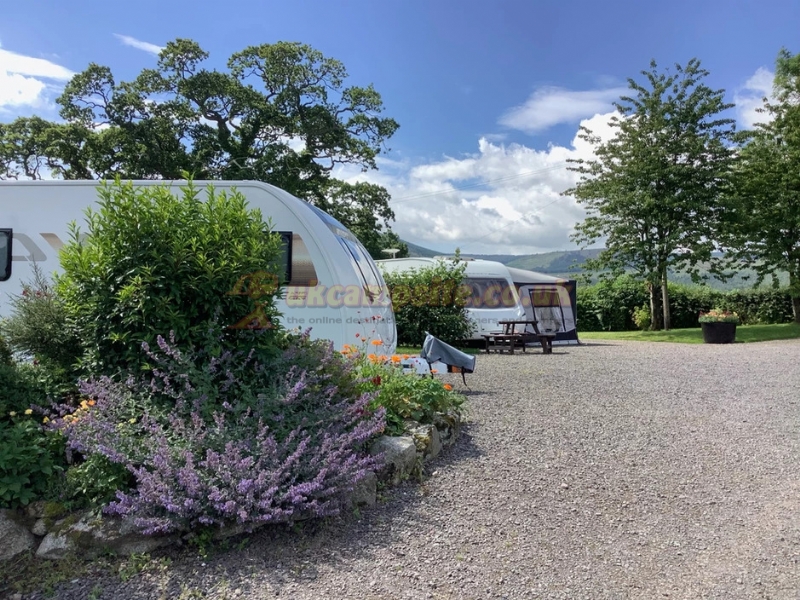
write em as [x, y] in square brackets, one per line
[523, 276]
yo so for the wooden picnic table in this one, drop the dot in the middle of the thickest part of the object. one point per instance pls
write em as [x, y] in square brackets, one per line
[509, 337]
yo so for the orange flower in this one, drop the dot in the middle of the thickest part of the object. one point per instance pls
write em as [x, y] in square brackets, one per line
[373, 357]
[377, 343]
[396, 359]
[406, 356]
[434, 371]
[448, 387]
[91, 403]
[383, 358]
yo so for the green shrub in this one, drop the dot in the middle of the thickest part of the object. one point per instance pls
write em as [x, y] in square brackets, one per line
[404, 396]
[641, 316]
[155, 262]
[5, 350]
[38, 326]
[21, 387]
[430, 299]
[95, 481]
[29, 459]
[609, 305]
[620, 305]
[763, 305]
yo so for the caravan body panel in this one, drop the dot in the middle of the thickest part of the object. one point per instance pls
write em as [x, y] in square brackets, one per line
[327, 260]
[493, 296]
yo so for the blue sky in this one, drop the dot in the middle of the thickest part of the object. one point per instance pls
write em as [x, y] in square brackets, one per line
[489, 95]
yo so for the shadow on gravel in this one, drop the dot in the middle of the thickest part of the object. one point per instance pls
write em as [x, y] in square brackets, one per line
[274, 561]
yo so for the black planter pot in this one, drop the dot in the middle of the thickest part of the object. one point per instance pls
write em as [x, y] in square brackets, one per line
[719, 333]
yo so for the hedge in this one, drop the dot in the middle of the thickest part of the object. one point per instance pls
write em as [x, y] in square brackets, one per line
[610, 306]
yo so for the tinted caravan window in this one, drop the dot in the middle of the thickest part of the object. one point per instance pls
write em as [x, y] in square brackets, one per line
[5, 254]
[486, 292]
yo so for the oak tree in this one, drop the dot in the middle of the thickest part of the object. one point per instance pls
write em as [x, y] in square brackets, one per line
[279, 113]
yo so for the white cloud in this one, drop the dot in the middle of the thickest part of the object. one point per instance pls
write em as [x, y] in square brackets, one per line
[24, 80]
[138, 44]
[550, 106]
[505, 198]
[750, 97]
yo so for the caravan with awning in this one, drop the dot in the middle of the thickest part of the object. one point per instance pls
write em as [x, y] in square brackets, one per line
[493, 296]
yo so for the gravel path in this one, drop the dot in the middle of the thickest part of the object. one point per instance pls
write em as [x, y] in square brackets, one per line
[610, 470]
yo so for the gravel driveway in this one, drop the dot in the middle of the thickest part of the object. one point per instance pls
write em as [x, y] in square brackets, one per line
[609, 470]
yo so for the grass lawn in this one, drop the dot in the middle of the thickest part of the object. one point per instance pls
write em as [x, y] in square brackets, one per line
[744, 333]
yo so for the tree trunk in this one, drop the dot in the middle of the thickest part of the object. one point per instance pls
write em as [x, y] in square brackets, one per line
[655, 306]
[665, 300]
[794, 291]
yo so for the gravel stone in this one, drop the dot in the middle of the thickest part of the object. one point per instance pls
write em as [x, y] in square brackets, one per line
[606, 470]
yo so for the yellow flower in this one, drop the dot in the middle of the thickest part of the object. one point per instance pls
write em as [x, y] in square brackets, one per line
[84, 404]
[13, 414]
[131, 421]
[29, 412]
[45, 420]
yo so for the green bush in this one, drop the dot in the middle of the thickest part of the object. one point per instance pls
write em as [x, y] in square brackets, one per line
[95, 481]
[768, 305]
[609, 305]
[154, 262]
[38, 326]
[430, 299]
[404, 396]
[641, 317]
[29, 460]
[620, 305]
[21, 388]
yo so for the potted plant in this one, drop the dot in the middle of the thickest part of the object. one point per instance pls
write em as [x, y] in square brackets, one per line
[719, 326]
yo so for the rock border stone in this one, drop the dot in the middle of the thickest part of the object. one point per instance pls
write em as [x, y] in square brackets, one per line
[92, 534]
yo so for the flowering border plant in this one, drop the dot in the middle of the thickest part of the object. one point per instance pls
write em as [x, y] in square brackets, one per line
[404, 396]
[719, 316]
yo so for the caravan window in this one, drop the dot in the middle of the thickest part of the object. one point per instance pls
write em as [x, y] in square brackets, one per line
[489, 293]
[361, 260]
[5, 254]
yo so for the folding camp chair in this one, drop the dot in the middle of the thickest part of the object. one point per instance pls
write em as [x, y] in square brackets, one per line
[435, 350]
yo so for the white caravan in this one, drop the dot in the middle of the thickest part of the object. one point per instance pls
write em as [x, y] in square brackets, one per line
[493, 298]
[334, 287]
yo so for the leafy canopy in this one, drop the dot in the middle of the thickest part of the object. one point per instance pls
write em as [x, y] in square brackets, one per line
[279, 113]
[763, 226]
[651, 191]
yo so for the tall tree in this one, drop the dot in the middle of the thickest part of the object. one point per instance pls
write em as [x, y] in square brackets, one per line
[652, 190]
[280, 113]
[764, 220]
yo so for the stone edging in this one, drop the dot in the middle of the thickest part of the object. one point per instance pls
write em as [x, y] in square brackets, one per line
[92, 534]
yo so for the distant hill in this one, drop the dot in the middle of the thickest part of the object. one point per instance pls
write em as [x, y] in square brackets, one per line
[414, 250]
[568, 264]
